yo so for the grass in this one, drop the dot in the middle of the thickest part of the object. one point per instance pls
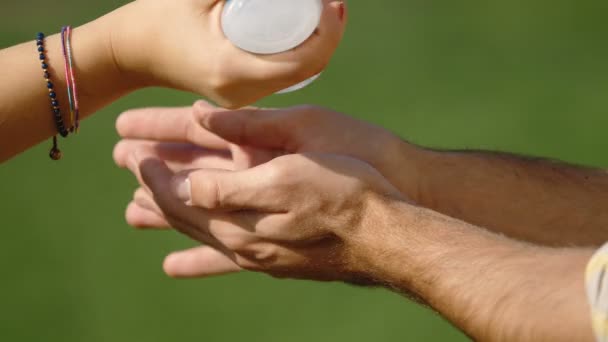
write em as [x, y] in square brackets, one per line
[518, 76]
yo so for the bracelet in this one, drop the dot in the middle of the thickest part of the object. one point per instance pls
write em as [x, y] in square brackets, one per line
[55, 153]
[66, 42]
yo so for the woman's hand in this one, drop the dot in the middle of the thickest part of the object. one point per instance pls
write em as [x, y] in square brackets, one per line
[298, 216]
[180, 44]
[170, 43]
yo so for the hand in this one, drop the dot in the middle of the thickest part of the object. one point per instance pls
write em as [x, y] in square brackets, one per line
[180, 44]
[248, 137]
[178, 136]
[298, 216]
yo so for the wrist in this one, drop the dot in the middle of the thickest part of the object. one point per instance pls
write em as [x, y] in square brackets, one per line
[409, 167]
[415, 242]
[146, 53]
[99, 79]
[376, 250]
[129, 46]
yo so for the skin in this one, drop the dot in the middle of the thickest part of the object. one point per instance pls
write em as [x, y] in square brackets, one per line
[315, 203]
[128, 49]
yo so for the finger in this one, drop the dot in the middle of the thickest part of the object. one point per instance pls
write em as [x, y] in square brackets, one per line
[198, 262]
[157, 178]
[213, 228]
[266, 128]
[133, 164]
[139, 217]
[167, 124]
[245, 157]
[177, 155]
[144, 199]
[251, 189]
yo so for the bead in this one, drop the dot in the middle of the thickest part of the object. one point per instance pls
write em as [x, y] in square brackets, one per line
[45, 67]
[49, 85]
[55, 154]
[55, 104]
[47, 76]
[40, 48]
[52, 95]
[63, 132]
[40, 35]
[42, 57]
[56, 111]
[39, 42]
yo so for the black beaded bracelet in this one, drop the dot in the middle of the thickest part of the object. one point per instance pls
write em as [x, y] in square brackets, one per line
[55, 153]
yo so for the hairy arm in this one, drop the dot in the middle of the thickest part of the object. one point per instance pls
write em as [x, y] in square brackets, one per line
[491, 287]
[536, 200]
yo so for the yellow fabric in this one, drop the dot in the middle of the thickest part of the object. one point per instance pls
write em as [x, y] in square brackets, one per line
[596, 281]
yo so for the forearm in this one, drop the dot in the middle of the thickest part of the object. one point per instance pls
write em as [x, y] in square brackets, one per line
[491, 287]
[25, 109]
[535, 200]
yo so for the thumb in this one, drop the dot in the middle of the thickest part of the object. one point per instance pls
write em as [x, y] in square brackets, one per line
[263, 128]
[250, 189]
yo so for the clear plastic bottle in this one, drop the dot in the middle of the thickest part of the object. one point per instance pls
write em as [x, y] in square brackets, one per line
[271, 26]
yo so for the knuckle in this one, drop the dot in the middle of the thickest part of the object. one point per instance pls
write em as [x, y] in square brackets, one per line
[248, 264]
[261, 255]
[237, 245]
[217, 80]
[278, 172]
[207, 193]
[139, 195]
[191, 128]
[266, 255]
[305, 117]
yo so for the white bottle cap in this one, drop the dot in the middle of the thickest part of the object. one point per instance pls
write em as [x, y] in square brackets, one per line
[270, 26]
[300, 85]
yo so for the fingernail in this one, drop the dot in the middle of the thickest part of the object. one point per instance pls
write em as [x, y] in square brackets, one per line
[341, 10]
[201, 104]
[182, 188]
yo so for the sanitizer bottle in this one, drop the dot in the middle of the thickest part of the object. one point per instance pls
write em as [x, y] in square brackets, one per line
[271, 26]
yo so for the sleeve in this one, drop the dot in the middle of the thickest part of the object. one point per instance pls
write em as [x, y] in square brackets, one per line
[596, 282]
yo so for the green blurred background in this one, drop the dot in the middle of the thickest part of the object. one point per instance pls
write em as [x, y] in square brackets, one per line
[522, 76]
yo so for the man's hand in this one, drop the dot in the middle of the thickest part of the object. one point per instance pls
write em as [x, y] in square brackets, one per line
[491, 287]
[328, 217]
[206, 136]
[298, 216]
